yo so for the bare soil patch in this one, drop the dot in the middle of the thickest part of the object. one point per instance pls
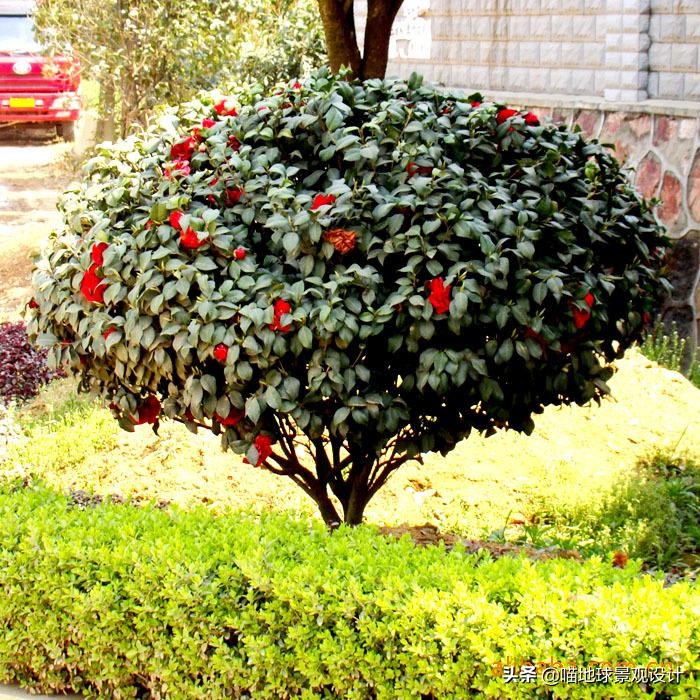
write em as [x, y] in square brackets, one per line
[36, 168]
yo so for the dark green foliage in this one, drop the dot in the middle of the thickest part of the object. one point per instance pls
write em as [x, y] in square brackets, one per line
[444, 265]
[118, 600]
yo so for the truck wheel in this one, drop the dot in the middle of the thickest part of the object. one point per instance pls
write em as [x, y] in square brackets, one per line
[66, 130]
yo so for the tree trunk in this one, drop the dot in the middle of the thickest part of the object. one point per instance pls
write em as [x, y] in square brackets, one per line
[380, 18]
[341, 41]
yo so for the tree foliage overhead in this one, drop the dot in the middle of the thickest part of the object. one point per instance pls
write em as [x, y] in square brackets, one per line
[145, 52]
[343, 275]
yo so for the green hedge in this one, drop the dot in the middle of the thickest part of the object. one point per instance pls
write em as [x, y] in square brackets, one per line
[114, 600]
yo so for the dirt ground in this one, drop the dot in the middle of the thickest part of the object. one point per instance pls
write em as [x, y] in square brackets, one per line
[35, 169]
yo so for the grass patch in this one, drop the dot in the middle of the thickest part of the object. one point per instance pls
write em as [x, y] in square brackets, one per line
[672, 351]
[651, 514]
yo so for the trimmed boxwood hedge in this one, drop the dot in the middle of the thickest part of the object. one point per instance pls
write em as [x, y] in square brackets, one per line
[118, 601]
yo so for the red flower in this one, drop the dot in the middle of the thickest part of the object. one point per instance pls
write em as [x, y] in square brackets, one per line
[233, 195]
[532, 119]
[413, 168]
[263, 444]
[341, 239]
[183, 150]
[476, 103]
[240, 253]
[234, 417]
[180, 167]
[97, 253]
[148, 225]
[221, 352]
[211, 199]
[148, 411]
[321, 200]
[225, 108]
[582, 316]
[439, 295]
[504, 114]
[108, 332]
[208, 123]
[33, 304]
[174, 219]
[213, 181]
[234, 142]
[296, 85]
[281, 307]
[92, 287]
[190, 239]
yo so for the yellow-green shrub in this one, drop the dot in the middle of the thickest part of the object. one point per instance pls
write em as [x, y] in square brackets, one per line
[115, 600]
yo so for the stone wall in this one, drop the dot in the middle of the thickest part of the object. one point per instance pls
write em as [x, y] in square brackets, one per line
[662, 152]
[617, 49]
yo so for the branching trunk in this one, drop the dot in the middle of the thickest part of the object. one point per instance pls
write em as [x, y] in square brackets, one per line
[341, 40]
[380, 18]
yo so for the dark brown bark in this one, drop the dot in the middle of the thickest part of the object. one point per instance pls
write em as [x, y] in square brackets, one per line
[380, 18]
[341, 40]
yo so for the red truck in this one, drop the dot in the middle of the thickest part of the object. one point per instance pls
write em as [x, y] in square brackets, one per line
[33, 86]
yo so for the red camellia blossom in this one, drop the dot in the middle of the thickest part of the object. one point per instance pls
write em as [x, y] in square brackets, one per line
[183, 150]
[233, 195]
[148, 411]
[439, 295]
[33, 304]
[225, 108]
[208, 123]
[221, 352]
[413, 169]
[240, 253]
[296, 85]
[582, 316]
[321, 200]
[263, 444]
[476, 103]
[108, 332]
[92, 287]
[504, 114]
[341, 239]
[179, 167]
[234, 417]
[532, 119]
[97, 253]
[281, 307]
[174, 219]
[234, 143]
[190, 239]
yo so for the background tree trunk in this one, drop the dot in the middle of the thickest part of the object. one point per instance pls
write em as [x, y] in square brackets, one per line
[341, 40]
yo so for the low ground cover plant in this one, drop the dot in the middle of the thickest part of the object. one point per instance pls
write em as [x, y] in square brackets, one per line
[116, 600]
[23, 368]
[342, 276]
[669, 349]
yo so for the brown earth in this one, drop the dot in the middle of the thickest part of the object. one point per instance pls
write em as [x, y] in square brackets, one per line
[36, 167]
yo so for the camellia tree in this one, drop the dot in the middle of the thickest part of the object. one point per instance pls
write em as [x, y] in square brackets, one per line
[344, 275]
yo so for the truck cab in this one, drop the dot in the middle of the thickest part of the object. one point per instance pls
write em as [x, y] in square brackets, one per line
[33, 86]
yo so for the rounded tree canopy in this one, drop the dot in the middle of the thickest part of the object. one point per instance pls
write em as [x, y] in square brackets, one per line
[378, 264]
